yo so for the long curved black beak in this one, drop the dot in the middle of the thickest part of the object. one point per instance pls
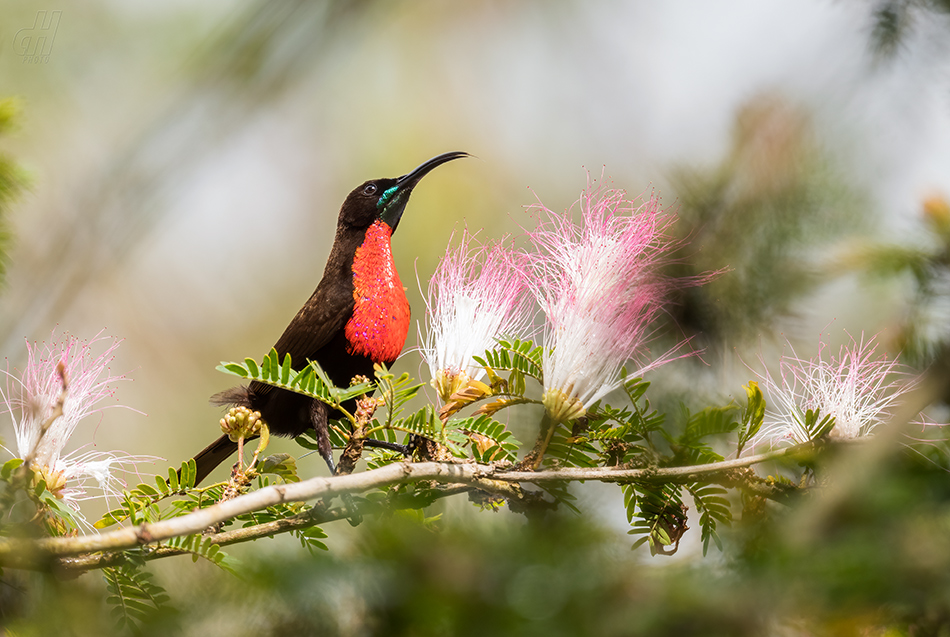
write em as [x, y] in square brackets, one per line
[423, 169]
[393, 202]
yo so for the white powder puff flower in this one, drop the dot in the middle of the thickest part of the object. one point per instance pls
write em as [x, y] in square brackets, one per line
[476, 295]
[599, 288]
[62, 384]
[855, 387]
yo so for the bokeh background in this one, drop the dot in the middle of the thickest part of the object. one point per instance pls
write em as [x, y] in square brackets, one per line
[185, 164]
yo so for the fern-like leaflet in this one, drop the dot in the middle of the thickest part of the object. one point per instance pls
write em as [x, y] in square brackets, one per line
[201, 547]
[691, 447]
[713, 508]
[135, 599]
[522, 357]
[140, 503]
[752, 416]
[311, 381]
[657, 513]
[497, 442]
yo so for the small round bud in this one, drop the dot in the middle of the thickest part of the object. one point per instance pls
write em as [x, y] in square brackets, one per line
[241, 422]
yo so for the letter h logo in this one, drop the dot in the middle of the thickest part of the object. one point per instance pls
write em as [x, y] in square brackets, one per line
[34, 45]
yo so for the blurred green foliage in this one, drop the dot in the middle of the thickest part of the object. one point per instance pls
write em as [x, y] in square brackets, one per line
[762, 217]
[878, 564]
[922, 262]
[894, 21]
[13, 179]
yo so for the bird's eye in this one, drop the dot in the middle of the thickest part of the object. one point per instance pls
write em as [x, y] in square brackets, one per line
[370, 189]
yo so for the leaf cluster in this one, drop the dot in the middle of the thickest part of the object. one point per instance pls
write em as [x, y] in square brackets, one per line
[140, 503]
[135, 599]
[311, 381]
[21, 485]
[627, 433]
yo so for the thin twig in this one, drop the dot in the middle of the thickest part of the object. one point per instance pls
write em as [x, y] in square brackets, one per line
[74, 565]
[533, 458]
[486, 477]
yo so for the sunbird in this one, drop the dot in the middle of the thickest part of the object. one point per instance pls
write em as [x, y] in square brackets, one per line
[357, 316]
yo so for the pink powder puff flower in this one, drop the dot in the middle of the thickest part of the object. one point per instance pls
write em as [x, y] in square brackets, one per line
[932, 434]
[599, 288]
[856, 388]
[62, 383]
[476, 295]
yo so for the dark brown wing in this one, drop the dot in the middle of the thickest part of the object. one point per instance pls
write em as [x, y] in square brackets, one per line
[321, 318]
[318, 321]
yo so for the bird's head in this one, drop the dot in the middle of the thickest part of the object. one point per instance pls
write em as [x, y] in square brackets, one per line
[385, 199]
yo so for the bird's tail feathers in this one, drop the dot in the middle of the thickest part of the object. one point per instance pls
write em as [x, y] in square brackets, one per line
[233, 397]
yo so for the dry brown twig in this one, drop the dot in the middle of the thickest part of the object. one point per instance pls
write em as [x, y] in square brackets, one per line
[467, 476]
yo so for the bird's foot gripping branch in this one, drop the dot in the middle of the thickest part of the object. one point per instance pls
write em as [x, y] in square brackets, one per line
[658, 466]
[599, 289]
[662, 468]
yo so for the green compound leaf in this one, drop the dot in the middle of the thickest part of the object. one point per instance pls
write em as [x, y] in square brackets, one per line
[311, 381]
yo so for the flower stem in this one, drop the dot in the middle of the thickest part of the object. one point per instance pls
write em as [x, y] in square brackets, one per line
[33, 554]
[24, 473]
[533, 459]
